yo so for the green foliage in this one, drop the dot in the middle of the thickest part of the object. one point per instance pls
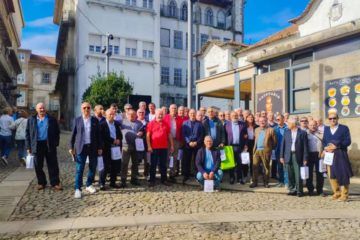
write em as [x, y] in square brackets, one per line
[106, 90]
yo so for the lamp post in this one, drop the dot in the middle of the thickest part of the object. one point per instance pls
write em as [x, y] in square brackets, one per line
[189, 54]
[107, 52]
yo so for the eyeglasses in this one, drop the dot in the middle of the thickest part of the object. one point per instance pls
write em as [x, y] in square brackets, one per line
[332, 119]
[141, 112]
[128, 108]
[303, 121]
[278, 119]
[86, 107]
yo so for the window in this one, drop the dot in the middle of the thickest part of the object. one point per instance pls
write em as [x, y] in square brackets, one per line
[302, 58]
[150, 54]
[110, 48]
[183, 15]
[165, 75]
[227, 39]
[221, 19]
[280, 64]
[21, 78]
[177, 77]
[209, 17]
[98, 49]
[178, 40]
[131, 2]
[300, 90]
[46, 78]
[128, 52]
[133, 52]
[22, 57]
[21, 101]
[338, 48]
[91, 48]
[116, 50]
[145, 54]
[148, 4]
[197, 18]
[204, 39]
[215, 38]
[172, 9]
[165, 37]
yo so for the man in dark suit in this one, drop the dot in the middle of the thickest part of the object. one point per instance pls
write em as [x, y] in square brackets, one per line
[85, 143]
[214, 128]
[42, 138]
[193, 133]
[111, 135]
[236, 132]
[294, 154]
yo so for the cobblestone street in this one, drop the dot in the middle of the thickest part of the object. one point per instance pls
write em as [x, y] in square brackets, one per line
[177, 199]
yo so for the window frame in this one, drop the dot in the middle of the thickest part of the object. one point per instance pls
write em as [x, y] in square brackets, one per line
[183, 13]
[177, 77]
[292, 90]
[49, 78]
[168, 39]
[162, 75]
[178, 39]
[209, 17]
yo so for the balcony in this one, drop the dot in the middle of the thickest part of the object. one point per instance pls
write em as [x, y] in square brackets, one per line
[67, 66]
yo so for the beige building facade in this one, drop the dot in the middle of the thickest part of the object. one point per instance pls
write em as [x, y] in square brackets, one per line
[37, 81]
[11, 24]
[305, 69]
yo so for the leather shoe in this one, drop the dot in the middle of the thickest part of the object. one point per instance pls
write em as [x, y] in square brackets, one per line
[114, 185]
[185, 179]
[291, 193]
[58, 187]
[151, 184]
[40, 187]
[253, 185]
[166, 183]
[135, 182]
[232, 181]
[300, 194]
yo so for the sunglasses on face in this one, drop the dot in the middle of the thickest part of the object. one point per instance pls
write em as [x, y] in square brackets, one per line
[303, 121]
[332, 119]
[86, 107]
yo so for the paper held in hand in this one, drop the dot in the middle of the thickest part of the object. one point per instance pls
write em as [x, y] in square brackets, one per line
[171, 162]
[329, 158]
[116, 153]
[208, 185]
[245, 158]
[322, 166]
[100, 163]
[29, 161]
[180, 155]
[304, 172]
[139, 145]
[222, 155]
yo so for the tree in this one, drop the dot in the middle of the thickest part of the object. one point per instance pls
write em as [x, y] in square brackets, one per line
[106, 90]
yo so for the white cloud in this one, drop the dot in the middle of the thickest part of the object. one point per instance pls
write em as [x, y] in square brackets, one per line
[280, 18]
[40, 22]
[43, 44]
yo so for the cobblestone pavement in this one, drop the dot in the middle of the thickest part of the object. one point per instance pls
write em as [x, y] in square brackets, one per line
[178, 199]
[294, 229]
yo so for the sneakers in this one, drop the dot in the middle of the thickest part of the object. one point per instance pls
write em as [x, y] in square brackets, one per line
[77, 194]
[4, 160]
[91, 189]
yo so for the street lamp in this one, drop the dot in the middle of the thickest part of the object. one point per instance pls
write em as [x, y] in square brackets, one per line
[189, 53]
[108, 53]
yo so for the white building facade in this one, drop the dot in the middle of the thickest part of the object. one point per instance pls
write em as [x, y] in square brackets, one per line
[149, 45]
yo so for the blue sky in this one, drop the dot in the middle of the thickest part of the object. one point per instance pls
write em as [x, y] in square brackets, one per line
[262, 18]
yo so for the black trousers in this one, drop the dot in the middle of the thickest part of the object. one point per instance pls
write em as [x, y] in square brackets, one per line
[189, 155]
[110, 167]
[158, 157]
[314, 162]
[240, 169]
[43, 152]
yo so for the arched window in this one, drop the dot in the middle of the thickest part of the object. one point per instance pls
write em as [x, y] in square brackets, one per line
[209, 17]
[221, 19]
[197, 18]
[184, 13]
[172, 9]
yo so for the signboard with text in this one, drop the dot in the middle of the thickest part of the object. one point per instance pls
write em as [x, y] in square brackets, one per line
[271, 101]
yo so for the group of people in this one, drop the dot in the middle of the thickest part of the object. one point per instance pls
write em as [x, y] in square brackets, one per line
[189, 142]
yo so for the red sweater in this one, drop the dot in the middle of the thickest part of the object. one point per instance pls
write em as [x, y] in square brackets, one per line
[179, 122]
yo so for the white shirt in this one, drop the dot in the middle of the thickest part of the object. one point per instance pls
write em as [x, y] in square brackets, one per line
[321, 128]
[293, 138]
[87, 129]
[151, 117]
[235, 133]
[112, 129]
[333, 130]
[173, 127]
[313, 142]
[5, 125]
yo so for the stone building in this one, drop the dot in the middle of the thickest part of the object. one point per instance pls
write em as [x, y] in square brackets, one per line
[309, 68]
[11, 24]
[37, 81]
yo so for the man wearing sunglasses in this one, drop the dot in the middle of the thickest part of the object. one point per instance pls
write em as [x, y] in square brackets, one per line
[85, 143]
[336, 140]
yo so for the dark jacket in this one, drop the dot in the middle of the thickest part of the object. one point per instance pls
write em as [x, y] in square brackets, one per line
[200, 160]
[31, 134]
[195, 134]
[105, 134]
[220, 131]
[301, 146]
[242, 134]
[129, 133]
[78, 134]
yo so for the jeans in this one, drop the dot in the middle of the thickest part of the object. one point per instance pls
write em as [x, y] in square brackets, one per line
[5, 145]
[80, 166]
[217, 178]
[42, 152]
[158, 157]
[21, 148]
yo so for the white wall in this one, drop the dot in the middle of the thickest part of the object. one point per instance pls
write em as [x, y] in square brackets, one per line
[319, 18]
